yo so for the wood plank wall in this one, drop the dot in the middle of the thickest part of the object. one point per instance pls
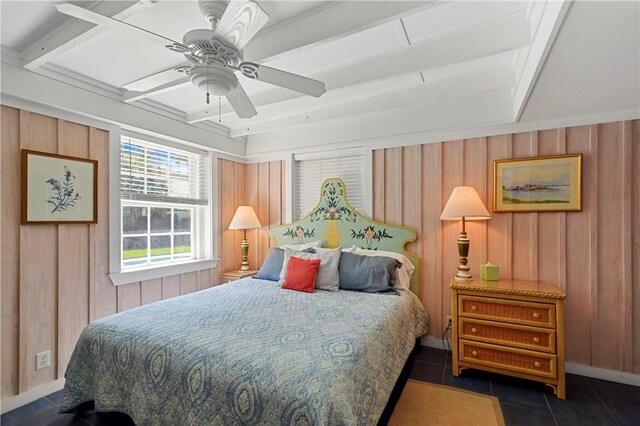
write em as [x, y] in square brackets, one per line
[593, 255]
[54, 277]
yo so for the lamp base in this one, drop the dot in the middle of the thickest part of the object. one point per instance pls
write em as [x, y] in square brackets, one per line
[463, 275]
[244, 249]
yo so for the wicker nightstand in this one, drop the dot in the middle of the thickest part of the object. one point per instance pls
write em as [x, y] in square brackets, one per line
[512, 327]
[230, 276]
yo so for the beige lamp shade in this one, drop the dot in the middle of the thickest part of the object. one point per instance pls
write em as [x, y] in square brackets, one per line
[464, 202]
[245, 218]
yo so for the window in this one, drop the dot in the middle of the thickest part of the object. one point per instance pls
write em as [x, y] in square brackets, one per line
[164, 204]
[311, 172]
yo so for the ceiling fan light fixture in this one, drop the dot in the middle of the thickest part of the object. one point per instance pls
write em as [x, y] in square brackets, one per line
[213, 78]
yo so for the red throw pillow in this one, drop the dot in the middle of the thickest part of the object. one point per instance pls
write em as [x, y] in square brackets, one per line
[301, 274]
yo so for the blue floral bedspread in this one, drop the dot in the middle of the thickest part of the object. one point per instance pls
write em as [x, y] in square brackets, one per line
[248, 352]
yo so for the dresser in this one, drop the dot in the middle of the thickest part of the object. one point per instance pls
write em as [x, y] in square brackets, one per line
[511, 327]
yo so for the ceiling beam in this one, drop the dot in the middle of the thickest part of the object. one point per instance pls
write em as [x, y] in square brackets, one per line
[132, 96]
[76, 31]
[327, 24]
[487, 108]
[477, 42]
[547, 30]
[454, 85]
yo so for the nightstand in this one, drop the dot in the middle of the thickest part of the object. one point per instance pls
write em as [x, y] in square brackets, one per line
[511, 327]
[230, 276]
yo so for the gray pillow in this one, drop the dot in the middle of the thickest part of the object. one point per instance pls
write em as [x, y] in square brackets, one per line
[370, 274]
[272, 265]
[327, 278]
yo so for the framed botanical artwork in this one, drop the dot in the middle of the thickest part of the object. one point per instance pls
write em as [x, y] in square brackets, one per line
[58, 189]
[538, 184]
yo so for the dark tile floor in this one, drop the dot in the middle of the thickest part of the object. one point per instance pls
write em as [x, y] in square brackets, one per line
[589, 401]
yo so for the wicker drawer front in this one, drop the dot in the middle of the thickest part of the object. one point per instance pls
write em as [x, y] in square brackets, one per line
[505, 358]
[514, 311]
[519, 336]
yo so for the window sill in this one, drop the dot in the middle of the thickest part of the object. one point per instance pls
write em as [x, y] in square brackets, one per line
[154, 272]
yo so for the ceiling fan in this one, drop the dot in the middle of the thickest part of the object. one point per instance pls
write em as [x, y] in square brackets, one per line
[215, 54]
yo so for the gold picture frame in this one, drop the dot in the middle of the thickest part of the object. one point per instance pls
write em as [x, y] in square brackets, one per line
[538, 184]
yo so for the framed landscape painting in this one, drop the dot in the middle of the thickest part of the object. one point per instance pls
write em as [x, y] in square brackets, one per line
[58, 189]
[538, 184]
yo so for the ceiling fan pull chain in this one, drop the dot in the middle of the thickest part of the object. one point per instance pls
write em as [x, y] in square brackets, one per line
[219, 109]
[207, 82]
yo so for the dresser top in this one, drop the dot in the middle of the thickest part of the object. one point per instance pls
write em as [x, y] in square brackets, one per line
[519, 287]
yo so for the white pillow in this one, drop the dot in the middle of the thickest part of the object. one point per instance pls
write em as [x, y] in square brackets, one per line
[344, 249]
[300, 247]
[328, 276]
[403, 274]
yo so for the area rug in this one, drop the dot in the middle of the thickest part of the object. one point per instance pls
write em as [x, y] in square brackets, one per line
[428, 404]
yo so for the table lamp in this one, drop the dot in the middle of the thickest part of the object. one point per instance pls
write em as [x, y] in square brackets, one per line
[245, 218]
[464, 203]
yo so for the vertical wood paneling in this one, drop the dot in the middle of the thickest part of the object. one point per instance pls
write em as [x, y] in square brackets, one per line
[10, 254]
[188, 283]
[578, 256]
[635, 241]
[551, 226]
[129, 296]
[627, 232]
[499, 227]
[275, 193]
[452, 176]
[525, 225]
[73, 258]
[38, 285]
[263, 209]
[170, 287]
[228, 247]
[610, 237]
[204, 279]
[412, 193]
[432, 276]
[593, 255]
[255, 260]
[475, 170]
[102, 293]
[150, 291]
[378, 177]
[393, 186]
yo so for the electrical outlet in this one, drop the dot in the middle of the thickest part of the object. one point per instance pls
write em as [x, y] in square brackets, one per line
[449, 320]
[43, 360]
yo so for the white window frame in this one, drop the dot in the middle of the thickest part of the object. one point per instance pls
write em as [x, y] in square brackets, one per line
[206, 221]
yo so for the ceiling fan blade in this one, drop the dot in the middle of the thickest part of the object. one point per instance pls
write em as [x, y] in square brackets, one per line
[154, 80]
[241, 103]
[96, 18]
[241, 22]
[282, 78]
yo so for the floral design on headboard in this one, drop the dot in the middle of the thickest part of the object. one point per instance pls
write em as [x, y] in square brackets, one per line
[369, 234]
[333, 208]
[299, 233]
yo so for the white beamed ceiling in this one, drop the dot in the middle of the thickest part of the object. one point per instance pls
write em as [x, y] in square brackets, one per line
[375, 57]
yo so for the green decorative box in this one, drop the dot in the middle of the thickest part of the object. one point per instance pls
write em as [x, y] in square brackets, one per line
[489, 272]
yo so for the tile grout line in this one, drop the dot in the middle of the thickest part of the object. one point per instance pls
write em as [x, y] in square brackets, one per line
[606, 407]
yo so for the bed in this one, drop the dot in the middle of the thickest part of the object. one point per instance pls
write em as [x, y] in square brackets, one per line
[249, 352]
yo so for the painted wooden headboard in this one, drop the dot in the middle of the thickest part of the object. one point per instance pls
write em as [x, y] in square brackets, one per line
[337, 224]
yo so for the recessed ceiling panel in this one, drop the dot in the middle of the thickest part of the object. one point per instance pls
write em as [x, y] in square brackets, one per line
[25, 22]
[455, 16]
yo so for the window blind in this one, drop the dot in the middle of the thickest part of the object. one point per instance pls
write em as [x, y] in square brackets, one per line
[311, 173]
[151, 172]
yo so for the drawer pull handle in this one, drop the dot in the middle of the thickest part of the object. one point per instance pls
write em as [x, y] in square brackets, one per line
[474, 353]
[536, 315]
[474, 330]
[537, 364]
[474, 308]
[536, 340]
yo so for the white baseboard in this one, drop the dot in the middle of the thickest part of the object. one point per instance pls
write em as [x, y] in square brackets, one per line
[31, 395]
[570, 367]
